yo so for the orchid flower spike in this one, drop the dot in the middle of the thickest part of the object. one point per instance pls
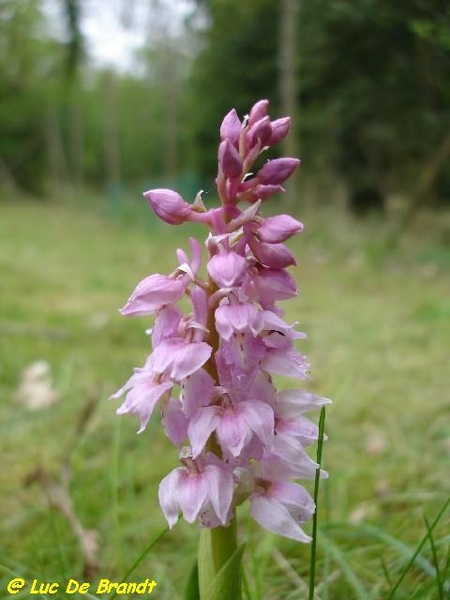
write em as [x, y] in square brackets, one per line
[218, 338]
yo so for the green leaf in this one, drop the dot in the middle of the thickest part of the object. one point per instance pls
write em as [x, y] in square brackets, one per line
[227, 583]
[192, 589]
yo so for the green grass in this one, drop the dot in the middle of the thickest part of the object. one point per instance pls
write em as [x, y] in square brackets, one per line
[378, 329]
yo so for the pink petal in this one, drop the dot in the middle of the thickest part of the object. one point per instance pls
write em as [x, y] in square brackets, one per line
[233, 432]
[199, 301]
[262, 389]
[302, 428]
[238, 317]
[227, 269]
[295, 458]
[292, 403]
[153, 292]
[286, 362]
[220, 483]
[192, 494]
[196, 391]
[259, 418]
[179, 359]
[201, 427]
[142, 399]
[276, 466]
[196, 251]
[272, 515]
[168, 495]
[174, 421]
[166, 324]
[242, 354]
[189, 358]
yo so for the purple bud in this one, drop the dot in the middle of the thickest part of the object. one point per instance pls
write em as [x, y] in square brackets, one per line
[231, 128]
[168, 206]
[277, 256]
[280, 129]
[258, 111]
[279, 229]
[229, 160]
[261, 131]
[274, 284]
[276, 171]
[258, 192]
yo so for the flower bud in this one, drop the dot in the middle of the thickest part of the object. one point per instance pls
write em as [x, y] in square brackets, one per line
[273, 285]
[258, 192]
[278, 229]
[231, 128]
[276, 171]
[169, 206]
[261, 131]
[280, 129]
[277, 256]
[229, 160]
[258, 111]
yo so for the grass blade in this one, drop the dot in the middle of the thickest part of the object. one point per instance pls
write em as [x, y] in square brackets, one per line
[417, 552]
[435, 560]
[385, 572]
[339, 558]
[140, 558]
[312, 565]
[359, 529]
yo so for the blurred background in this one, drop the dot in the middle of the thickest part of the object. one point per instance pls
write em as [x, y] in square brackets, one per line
[108, 96]
[102, 100]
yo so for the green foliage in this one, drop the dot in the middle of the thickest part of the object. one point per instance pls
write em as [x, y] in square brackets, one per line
[378, 92]
[372, 79]
[23, 54]
[227, 583]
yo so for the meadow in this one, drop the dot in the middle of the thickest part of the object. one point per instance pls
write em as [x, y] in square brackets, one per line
[79, 487]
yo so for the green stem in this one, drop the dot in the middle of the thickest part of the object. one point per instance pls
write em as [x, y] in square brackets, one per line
[216, 546]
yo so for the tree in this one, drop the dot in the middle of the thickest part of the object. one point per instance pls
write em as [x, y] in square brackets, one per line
[377, 91]
[23, 59]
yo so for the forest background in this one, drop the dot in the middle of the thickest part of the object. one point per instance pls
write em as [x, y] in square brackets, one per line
[366, 83]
